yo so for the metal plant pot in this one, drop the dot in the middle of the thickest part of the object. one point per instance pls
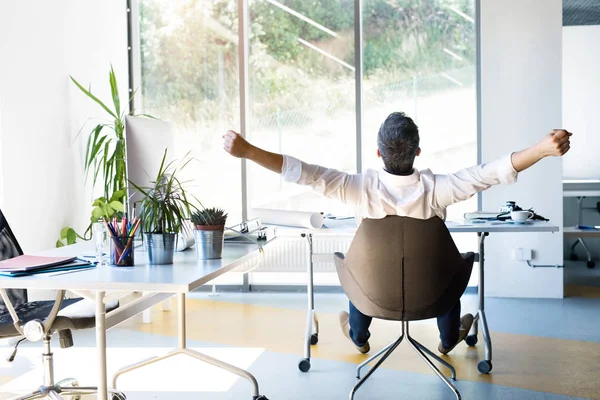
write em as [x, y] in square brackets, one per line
[160, 247]
[209, 241]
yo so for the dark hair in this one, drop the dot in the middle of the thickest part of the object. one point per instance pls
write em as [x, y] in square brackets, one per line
[398, 142]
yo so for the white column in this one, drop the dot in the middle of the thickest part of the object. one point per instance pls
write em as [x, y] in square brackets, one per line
[581, 99]
[521, 56]
[1, 158]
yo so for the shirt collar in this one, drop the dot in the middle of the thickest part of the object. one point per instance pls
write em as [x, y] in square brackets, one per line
[401, 180]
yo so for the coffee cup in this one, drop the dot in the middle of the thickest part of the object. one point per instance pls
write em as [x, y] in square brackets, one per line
[521, 217]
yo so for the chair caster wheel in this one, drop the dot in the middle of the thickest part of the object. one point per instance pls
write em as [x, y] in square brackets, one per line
[314, 339]
[484, 367]
[591, 264]
[304, 365]
[118, 397]
[574, 257]
[471, 340]
[261, 397]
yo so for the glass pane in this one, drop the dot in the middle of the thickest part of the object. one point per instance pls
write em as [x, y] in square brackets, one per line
[190, 75]
[302, 94]
[420, 58]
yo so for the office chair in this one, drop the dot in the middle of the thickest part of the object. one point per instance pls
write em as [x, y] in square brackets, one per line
[590, 263]
[404, 269]
[39, 320]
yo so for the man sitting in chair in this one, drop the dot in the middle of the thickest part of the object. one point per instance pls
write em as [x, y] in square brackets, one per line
[399, 189]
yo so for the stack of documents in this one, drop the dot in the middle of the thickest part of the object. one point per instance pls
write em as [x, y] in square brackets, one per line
[481, 215]
[252, 229]
[29, 265]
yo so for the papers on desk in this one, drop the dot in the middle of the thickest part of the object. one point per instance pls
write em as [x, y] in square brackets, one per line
[481, 215]
[28, 265]
[344, 224]
[248, 231]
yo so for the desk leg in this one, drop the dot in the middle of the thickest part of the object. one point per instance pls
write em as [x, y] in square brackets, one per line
[182, 349]
[311, 336]
[485, 365]
[101, 346]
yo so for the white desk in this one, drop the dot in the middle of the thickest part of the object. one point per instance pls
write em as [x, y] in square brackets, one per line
[581, 233]
[581, 193]
[348, 227]
[160, 281]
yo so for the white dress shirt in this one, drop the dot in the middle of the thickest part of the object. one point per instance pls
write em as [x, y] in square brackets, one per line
[377, 193]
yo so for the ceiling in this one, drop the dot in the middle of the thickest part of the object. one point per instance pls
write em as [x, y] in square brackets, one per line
[581, 12]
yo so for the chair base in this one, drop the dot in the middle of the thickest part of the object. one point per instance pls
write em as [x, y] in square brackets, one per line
[419, 348]
[57, 391]
[68, 387]
[573, 256]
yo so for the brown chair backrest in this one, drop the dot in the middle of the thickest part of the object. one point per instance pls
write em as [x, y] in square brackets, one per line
[401, 268]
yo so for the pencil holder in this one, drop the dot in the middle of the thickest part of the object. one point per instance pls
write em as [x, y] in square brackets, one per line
[121, 251]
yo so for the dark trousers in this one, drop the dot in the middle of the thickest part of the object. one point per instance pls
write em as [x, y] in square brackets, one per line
[448, 324]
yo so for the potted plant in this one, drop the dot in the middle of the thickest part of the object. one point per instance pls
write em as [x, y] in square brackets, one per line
[104, 160]
[163, 211]
[209, 224]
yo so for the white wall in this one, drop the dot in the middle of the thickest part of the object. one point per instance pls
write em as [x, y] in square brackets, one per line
[581, 99]
[521, 101]
[1, 164]
[41, 44]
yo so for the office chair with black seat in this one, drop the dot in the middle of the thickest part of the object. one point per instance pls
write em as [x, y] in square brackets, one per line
[404, 269]
[39, 320]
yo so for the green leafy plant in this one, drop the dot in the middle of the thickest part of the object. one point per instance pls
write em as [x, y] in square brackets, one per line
[209, 217]
[104, 161]
[165, 205]
[103, 209]
[105, 148]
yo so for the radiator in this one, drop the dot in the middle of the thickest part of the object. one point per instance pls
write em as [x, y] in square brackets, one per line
[289, 254]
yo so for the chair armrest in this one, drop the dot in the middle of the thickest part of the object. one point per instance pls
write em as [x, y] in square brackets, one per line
[338, 259]
[48, 322]
[470, 257]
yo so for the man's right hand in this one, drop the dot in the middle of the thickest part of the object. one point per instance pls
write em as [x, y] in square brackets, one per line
[236, 145]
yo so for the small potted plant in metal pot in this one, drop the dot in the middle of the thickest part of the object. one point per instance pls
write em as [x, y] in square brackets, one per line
[163, 211]
[209, 225]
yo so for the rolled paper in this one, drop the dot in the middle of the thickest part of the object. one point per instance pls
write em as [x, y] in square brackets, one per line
[301, 219]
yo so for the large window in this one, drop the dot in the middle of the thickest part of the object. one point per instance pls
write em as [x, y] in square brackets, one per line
[302, 93]
[189, 57]
[419, 56]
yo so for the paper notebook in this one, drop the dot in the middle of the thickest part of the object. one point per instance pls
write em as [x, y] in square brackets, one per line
[28, 263]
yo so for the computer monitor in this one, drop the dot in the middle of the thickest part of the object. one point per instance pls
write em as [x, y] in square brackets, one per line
[146, 140]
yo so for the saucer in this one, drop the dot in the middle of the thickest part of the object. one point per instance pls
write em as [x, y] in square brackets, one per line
[517, 222]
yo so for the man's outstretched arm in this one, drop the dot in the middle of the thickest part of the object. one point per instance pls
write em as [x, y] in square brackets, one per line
[554, 144]
[462, 185]
[237, 146]
[329, 182]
